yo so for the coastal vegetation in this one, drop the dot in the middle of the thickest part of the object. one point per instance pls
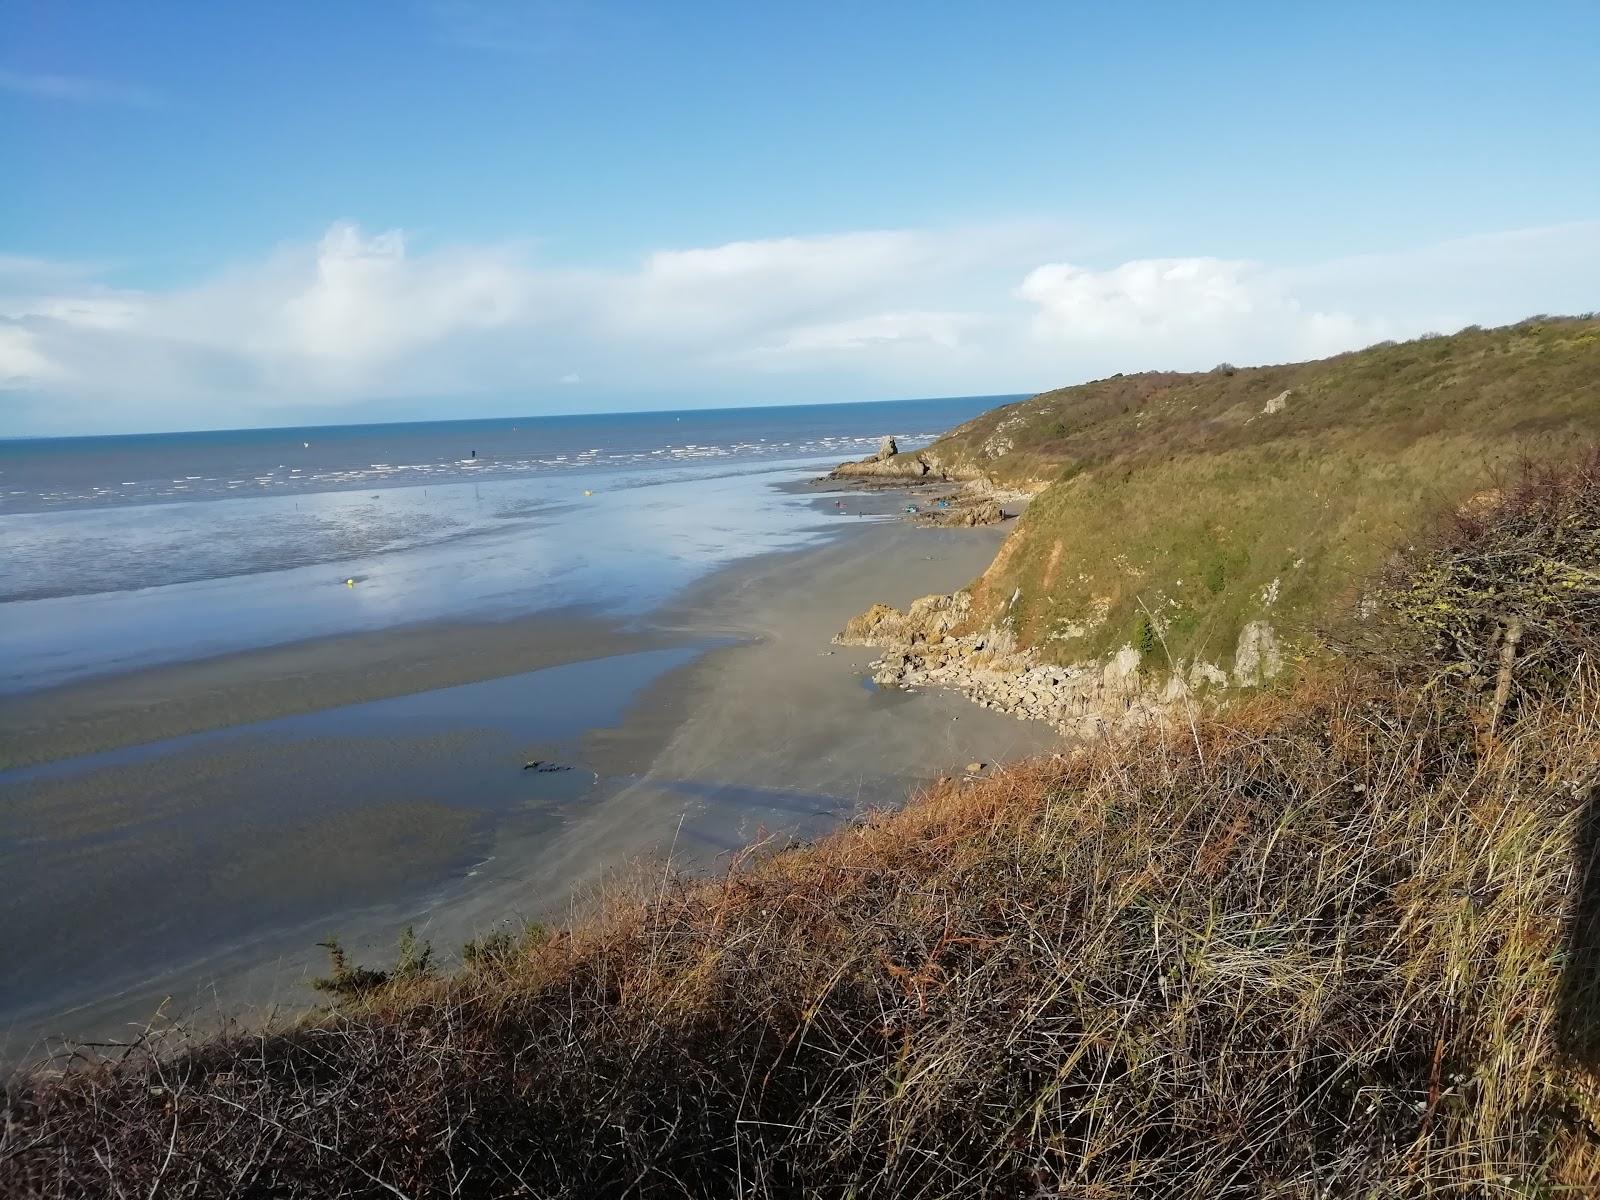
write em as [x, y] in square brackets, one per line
[1190, 535]
[1190, 505]
[1339, 937]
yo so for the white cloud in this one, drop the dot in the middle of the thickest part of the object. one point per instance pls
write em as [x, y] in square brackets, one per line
[706, 294]
[94, 310]
[357, 316]
[368, 303]
[21, 362]
[372, 319]
[842, 341]
[1485, 279]
[1177, 303]
[1190, 312]
[1149, 296]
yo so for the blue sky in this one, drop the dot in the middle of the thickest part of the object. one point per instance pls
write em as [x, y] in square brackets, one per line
[230, 214]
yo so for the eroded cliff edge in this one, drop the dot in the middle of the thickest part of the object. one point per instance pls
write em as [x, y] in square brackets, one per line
[1189, 534]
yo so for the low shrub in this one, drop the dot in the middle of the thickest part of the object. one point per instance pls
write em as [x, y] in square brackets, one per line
[1500, 603]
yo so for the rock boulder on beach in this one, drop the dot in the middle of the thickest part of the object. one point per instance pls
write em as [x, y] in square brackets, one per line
[888, 463]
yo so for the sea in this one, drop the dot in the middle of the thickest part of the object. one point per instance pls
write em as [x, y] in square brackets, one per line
[130, 551]
[202, 868]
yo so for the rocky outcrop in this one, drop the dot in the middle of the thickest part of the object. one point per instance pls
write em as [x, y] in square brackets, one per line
[928, 620]
[889, 463]
[924, 647]
[965, 513]
[949, 498]
[1257, 658]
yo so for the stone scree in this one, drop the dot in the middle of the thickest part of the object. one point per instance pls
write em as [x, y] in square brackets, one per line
[922, 649]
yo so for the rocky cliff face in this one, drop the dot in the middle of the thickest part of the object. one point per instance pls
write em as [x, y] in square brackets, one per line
[929, 645]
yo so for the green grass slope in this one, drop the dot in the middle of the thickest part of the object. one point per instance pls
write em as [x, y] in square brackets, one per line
[1176, 509]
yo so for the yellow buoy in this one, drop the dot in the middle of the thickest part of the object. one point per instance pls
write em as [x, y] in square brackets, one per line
[349, 583]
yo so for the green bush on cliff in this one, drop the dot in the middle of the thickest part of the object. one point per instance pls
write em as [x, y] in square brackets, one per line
[1175, 492]
[1144, 635]
[349, 981]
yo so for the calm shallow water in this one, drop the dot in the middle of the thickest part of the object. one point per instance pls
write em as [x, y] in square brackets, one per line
[118, 553]
[510, 547]
[50, 474]
[277, 823]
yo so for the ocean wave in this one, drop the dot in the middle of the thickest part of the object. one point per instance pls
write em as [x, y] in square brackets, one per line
[283, 479]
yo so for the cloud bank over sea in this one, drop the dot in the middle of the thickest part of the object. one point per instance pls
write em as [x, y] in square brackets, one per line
[321, 327]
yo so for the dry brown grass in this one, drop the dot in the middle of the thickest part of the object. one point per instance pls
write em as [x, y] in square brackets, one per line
[1501, 597]
[1331, 943]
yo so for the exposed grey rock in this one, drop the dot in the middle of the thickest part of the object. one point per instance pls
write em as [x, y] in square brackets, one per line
[888, 463]
[922, 649]
[1257, 658]
[1121, 671]
[963, 514]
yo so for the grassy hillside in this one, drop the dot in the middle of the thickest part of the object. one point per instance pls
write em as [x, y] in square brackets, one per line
[1176, 509]
[1339, 941]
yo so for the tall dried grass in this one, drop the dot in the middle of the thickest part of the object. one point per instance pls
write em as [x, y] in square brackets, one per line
[1335, 942]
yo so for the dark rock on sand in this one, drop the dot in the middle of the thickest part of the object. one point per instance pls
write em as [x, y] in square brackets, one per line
[889, 463]
[964, 513]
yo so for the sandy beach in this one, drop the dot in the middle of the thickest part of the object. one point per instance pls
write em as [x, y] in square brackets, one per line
[357, 785]
[138, 707]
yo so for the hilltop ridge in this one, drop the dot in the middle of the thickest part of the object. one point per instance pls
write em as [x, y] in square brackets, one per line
[1196, 531]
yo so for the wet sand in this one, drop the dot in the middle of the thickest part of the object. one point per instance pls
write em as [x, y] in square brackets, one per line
[147, 705]
[202, 871]
[784, 732]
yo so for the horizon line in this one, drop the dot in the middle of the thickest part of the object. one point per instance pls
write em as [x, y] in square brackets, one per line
[621, 412]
